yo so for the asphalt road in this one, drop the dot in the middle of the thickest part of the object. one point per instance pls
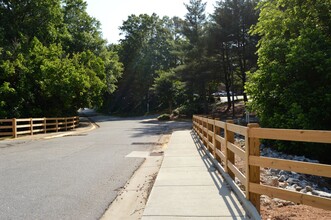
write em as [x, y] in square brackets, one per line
[77, 176]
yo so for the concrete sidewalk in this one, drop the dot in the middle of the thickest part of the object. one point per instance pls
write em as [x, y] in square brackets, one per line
[189, 187]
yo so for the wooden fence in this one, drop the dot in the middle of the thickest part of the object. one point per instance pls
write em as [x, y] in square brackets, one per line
[29, 126]
[218, 137]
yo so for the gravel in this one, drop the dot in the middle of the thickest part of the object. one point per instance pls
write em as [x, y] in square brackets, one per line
[308, 184]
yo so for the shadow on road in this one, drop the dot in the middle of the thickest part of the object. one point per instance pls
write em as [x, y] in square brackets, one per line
[155, 127]
[149, 124]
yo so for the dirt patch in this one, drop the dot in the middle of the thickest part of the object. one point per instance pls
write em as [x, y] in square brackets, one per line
[219, 110]
[271, 211]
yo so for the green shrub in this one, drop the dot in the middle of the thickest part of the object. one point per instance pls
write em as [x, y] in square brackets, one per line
[292, 86]
[164, 117]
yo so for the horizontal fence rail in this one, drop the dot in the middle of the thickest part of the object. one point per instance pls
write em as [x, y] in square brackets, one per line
[30, 126]
[218, 138]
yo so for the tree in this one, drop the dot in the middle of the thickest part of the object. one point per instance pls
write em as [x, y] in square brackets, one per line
[35, 83]
[46, 70]
[230, 44]
[194, 70]
[145, 49]
[23, 20]
[168, 89]
[291, 88]
[83, 30]
[84, 35]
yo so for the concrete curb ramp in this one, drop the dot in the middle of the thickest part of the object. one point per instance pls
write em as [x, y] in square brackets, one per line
[189, 187]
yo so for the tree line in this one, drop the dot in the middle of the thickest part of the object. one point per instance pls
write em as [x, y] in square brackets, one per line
[53, 60]
[175, 63]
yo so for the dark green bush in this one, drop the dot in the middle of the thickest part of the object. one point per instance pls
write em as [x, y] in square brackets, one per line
[164, 117]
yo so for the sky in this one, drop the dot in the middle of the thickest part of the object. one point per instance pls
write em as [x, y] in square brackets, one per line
[112, 13]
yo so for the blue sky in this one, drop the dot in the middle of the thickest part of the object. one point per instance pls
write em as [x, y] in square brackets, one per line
[112, 13]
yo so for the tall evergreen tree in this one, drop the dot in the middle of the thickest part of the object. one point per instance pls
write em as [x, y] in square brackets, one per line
[230, 41]
[194, 71]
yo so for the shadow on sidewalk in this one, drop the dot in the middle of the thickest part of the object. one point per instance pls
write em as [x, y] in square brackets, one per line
[222, 186]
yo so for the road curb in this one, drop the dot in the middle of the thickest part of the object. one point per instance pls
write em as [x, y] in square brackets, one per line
[91, 127]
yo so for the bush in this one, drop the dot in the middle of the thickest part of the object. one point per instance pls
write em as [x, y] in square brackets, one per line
[292, 86]
[188, 109]
[164, 117]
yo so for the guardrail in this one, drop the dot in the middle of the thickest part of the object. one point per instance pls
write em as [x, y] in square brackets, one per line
[218, 138]
[14, 127]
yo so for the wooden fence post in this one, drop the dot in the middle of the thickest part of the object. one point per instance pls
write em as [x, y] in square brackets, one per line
[45, 126]
[217, 144]
[209, 137]
[14, 128]
[204, 133]
[201, 128]
[214, 138]
[66, 123]
[57, 125]
[74, 122]
[212, 126]
[253, 172]
[229, 155]
[31, 126]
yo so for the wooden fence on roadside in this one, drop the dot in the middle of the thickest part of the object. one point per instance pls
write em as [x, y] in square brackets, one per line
[30, 126]
[218, 137]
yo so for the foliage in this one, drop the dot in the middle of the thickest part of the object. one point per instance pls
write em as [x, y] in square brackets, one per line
[187, 109]
[194, 71]
[231, 48]
[293, 81]
[145, 49]
[35, 83]
[52, 59]
[23, 20]
[292, 87]
[83, 30]
[164, 117]
[168, 89]
[201, 53]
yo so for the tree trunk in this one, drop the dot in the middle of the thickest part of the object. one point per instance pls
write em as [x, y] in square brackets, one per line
[226, 77]
[170, 106]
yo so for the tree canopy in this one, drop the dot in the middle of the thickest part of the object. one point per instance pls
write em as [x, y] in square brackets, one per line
[145, 49]
[201, 51]
[293, 80]
[292, 86]
[53, 59]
